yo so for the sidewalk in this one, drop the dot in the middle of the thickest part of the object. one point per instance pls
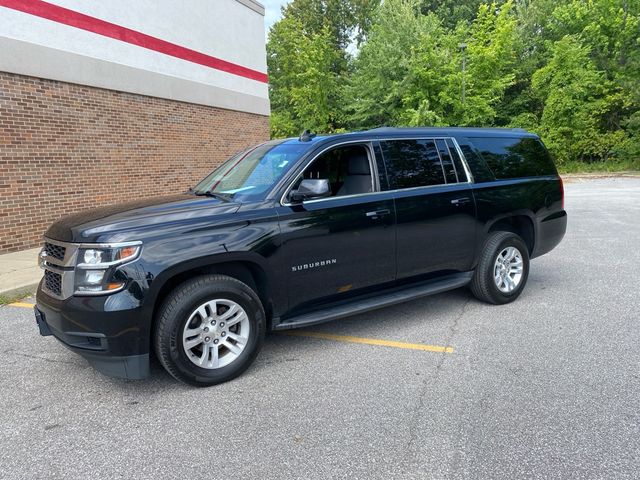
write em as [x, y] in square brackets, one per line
[19, 272]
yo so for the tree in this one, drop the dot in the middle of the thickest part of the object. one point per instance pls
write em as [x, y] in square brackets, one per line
[611, 31]
[308, 58]
[303, 84]
[373, 95]
[567, 69]
[409, 71]
[577, 98]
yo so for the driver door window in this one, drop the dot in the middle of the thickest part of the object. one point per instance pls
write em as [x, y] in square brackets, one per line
[348, 170]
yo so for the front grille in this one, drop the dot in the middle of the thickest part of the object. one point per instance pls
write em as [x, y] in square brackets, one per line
[53, 282]
[55, 251]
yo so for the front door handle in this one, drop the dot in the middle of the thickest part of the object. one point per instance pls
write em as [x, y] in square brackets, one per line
[460, 201]
[378, 213]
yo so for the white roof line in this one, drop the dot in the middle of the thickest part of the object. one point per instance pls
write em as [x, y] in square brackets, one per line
[253, 5]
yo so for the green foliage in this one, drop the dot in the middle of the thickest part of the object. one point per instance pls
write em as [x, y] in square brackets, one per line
[373, 96]
[566, 69]
[577, 98]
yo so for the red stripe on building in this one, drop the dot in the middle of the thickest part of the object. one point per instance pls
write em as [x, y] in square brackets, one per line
[79, 20]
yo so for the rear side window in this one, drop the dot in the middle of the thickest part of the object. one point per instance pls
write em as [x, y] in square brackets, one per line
[412, 163]
[447, 162]
[457, 161]
[515, 157]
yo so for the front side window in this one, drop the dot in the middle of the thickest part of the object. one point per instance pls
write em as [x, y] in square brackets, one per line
[412, 163]
[347, 168]
[251, 174]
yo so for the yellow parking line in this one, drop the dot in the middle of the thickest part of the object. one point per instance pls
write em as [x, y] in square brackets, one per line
[371, 341]
[21, 304]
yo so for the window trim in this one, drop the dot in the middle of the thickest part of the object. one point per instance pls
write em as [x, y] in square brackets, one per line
[375, 184]
[374, 172]
[463, 160]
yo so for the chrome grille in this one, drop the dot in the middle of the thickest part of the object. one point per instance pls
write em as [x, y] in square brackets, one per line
[53, 282]
[55, 251]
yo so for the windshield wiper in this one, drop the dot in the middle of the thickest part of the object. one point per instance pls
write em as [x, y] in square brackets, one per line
[219, 196]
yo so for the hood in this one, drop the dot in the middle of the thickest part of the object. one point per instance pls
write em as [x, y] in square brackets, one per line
[135, 220]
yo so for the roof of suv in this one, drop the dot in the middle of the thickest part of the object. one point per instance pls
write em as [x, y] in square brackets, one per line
[428, 131]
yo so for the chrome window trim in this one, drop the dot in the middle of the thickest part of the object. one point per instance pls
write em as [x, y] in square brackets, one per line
[375, 187]
[465, 165]
[445, 138]
[369, 142]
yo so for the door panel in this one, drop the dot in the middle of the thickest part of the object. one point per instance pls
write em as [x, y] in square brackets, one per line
[436, 229]
[337, 245]
[435, 208]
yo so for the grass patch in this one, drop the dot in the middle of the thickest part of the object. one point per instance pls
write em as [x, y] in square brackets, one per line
[15, 297]
[610, 166]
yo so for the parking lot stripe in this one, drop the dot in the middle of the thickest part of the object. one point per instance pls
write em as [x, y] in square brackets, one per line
[371, 341]
[21, 304]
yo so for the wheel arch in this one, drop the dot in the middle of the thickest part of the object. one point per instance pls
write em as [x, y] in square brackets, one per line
[249, 269]
[520, 223]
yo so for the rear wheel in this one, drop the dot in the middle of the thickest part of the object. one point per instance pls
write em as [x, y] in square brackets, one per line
[209, 330]
[503, 269]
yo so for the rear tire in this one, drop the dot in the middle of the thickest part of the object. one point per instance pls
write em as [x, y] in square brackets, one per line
[502, 270]
[209, 330]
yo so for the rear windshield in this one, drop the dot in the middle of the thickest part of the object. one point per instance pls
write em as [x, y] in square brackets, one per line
[515, 157]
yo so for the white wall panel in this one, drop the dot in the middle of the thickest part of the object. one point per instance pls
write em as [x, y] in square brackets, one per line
[226, 29]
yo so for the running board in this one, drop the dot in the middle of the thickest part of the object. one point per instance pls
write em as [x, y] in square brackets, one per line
[377, 300]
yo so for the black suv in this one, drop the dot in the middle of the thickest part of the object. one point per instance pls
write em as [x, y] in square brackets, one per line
[296, 232]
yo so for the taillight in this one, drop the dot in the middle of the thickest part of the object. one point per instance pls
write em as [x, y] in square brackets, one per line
[561, 191]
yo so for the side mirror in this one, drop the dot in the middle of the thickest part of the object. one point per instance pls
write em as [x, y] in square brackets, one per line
[311, 188]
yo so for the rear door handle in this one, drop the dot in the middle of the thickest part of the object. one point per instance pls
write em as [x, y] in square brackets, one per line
[460, 201]
[378, 213]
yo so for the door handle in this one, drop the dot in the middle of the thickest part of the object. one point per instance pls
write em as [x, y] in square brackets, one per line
[460, 201]
[378, 213]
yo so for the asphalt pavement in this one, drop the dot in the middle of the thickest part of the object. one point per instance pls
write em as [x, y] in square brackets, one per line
[545, 387]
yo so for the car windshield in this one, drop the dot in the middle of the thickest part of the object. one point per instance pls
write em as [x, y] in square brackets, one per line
[251, 173]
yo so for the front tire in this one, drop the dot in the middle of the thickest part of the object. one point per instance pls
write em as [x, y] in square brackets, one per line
[503, 269]
[209, 330]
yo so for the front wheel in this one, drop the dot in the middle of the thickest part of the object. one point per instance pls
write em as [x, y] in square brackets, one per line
[503, 269]
[209, 330]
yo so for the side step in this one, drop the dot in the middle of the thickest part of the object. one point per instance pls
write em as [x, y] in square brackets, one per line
[377, 300]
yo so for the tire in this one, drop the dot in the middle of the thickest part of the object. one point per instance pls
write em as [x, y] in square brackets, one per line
[484, 284]
[195, 312]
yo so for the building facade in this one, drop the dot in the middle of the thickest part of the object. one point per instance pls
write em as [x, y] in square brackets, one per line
[105, 102]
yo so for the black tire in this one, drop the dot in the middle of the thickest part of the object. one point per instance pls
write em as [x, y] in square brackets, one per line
[174, 314]
[483, 285]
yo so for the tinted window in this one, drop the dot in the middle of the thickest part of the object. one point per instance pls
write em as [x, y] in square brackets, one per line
[457, 162]
[412, 163]
[515, 157]
[447, 163]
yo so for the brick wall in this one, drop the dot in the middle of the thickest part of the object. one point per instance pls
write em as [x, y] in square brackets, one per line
[66, 148]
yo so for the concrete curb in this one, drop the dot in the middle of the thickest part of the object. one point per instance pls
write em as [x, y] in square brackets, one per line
[595, 175]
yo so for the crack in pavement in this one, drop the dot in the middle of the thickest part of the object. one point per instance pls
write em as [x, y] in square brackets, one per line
[410, 452]
[48, 360]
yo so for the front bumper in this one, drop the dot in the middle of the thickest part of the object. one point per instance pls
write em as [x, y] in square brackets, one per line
[111, 332]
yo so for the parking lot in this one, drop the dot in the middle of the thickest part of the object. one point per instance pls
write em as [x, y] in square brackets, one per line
[546, 387]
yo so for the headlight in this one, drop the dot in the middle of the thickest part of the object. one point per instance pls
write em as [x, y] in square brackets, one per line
[105, 257]
[96, 267]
